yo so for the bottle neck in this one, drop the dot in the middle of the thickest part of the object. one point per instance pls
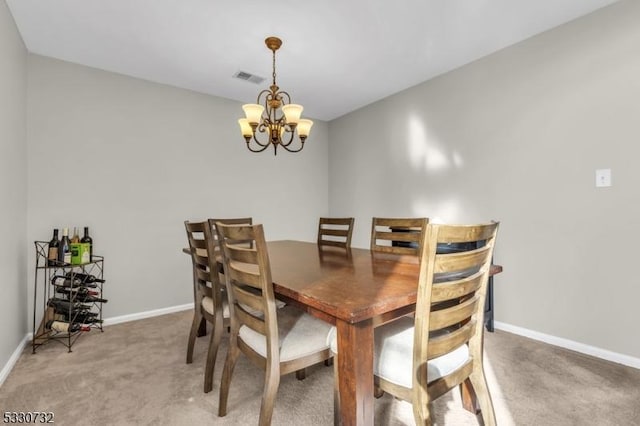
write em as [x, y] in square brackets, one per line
[86, 231]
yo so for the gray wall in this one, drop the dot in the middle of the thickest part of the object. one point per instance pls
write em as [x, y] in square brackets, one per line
[517, 137]
[13, 186]
[133, 159]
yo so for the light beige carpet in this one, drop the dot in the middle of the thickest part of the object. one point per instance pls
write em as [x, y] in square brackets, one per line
[135, 374]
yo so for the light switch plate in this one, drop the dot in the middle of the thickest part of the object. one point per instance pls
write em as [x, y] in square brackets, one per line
[603, 178]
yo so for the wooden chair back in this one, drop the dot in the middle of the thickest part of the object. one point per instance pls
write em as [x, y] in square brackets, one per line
[249, 285]
[335, 231]
[209, 296]
[450, 306]
[203, 257]
[397, 235]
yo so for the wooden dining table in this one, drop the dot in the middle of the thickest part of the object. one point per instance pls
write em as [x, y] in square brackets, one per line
[356, 290]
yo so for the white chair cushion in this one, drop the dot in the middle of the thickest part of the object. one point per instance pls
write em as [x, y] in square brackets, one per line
[299, 335]
[393, 356]
[207, 305]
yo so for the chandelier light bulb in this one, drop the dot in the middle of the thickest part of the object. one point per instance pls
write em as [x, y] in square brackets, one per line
[304, 128]
[253, 112]
[292, 113]
[245, 128]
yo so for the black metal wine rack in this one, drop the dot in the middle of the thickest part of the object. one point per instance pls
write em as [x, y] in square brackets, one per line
[44, 291]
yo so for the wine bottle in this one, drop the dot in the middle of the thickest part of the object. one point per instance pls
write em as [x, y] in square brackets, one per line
[64, 305]
[76, 237]
[70, 281]
[64, 249]
[88, 298]
[73, 292]
[84, 278]
[92, 320]
[66, 327]
[52, 254]
[83, 318]
[87, 239]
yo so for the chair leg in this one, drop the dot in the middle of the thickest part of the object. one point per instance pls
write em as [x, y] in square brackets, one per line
[479, 383]
[271, 383]
[469, 398]
[202, 330]
[225, 383]
[214, 342]
[377, 392]
[301, 374]
[422, 414]
[193, 333]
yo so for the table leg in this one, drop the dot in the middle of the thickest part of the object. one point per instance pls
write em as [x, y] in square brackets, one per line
[489, 309]
[355, 366]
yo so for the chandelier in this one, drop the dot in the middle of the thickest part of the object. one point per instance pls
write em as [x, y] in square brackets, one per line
[274, 116]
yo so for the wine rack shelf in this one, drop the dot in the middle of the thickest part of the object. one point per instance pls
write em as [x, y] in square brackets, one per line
[71, 306]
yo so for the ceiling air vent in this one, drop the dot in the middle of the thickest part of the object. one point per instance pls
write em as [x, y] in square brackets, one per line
[242, 75]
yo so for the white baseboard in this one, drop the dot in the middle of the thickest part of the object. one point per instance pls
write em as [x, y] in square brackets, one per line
[14, 358]
[147, 314]
[109, 321]
[570, 344]
[535, 335]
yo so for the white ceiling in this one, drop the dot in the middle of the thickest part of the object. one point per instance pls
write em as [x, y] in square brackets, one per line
[337, 55]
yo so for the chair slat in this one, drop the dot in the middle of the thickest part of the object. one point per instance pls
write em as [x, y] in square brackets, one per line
[407, 232]
[242, 254]
[453, 289]
[399, 236]
[335, 232]
[453, 315]
[239, 275]
[464, 233]
[245, 318]
[248, 298]
[461, 261]
[448, 342]
[400, 222]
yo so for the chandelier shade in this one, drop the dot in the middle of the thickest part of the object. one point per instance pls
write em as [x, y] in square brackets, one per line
[273, 120]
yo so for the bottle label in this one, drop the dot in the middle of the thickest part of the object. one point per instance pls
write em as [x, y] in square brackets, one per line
[60, 326]
[67, 257]
[53, 253]
[57, 280]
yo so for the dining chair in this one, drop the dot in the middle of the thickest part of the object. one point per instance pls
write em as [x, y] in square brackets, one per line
[421, 359]
[202, 328]
[335, 231]
[210, 302]
[280, 341]
[397, 235]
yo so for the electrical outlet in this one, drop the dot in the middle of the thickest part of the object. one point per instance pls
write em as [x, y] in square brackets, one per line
[603, 178]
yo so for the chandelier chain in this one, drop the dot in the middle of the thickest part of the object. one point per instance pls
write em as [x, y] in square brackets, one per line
[274, 68]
